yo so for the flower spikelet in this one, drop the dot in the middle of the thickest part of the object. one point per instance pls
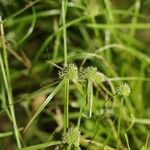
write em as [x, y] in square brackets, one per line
[89, 73]
[123, 89]
[72, 136]
[70, 72]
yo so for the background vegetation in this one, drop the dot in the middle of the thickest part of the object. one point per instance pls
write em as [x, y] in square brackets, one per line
[39, 38]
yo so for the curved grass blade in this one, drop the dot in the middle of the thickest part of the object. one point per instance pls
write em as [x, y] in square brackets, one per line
[30, 30]
[130, 50]
[59, 86]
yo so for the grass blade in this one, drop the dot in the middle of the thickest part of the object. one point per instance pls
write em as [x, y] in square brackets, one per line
[49, 98]
[30, 30]
[43, 145]
[6, 76]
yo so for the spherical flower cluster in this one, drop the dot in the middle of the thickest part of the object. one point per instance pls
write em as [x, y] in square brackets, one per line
[72, 136]
[89, 73]
[70, 72]
[123, 90]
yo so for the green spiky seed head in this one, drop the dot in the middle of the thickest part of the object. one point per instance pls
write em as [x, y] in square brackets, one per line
[72, 136]
[90, 73]
[70, 72]
[123, 90]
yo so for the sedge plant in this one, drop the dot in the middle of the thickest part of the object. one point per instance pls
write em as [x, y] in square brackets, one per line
[81, 105]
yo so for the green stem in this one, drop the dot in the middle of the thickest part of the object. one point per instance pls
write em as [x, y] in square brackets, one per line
[66, 100]
[64, 10]
[69, 147]
[66, 106]
[119, 123]
[6, 77]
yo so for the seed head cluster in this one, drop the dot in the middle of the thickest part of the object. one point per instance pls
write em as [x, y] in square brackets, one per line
[90, 73]
[70, 72]
[123, 89]
[72, 136]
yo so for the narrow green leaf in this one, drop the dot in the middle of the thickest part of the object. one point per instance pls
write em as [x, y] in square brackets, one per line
[59, 86]
[30, 30]
[41, 146]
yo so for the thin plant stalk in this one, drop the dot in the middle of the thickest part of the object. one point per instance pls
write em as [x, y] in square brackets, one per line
[119, 123]
[66, 106]
[64, 4]
[6, 76]
[69, 146]
[66, 94]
